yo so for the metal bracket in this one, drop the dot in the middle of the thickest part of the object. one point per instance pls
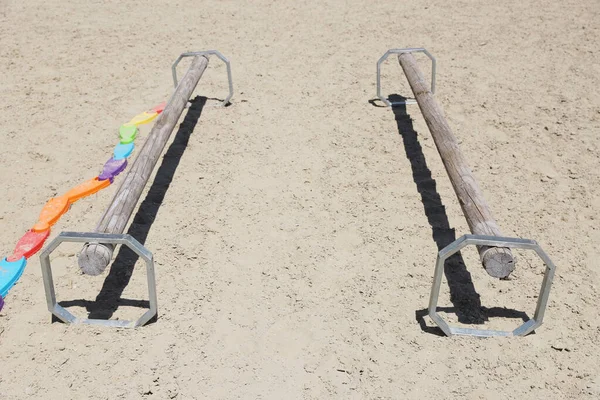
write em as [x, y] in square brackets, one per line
[386, 101]
[495, 241]
[127, 240]
[206, 53]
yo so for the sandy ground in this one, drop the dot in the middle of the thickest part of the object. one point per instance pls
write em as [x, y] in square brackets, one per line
[295, 232]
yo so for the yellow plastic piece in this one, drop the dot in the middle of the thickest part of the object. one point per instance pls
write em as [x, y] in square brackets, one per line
[51, 213]
[85, 189]
[142, 118]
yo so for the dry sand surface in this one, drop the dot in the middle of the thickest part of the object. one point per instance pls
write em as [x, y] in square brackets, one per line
[295, 232]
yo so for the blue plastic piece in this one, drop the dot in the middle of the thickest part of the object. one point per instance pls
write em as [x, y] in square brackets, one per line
[123, 151]
[10, 272]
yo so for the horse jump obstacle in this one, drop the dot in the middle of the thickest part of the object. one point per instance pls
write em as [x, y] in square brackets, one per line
[95, 257]
[13, 266]
[99, 245]
[494, 250]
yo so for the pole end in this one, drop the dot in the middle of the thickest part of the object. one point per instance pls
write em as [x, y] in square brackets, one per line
[498, 262]
[94, 258]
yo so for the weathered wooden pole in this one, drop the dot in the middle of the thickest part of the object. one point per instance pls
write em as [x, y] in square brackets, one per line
[497, 261]
[94, 257]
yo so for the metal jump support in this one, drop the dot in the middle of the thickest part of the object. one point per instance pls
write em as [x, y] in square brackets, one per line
[486, 234]
[62, 313]
[384, 57]
[206, 53]
[109, 232]
[497, 241]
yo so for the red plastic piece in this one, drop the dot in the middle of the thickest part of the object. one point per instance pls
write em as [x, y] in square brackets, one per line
[159, 108]
[29, 244]
[51, 213]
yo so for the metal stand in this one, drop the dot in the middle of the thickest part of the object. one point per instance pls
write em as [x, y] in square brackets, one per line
[385, 100]
[206, 53]
[127, 240]
[466, 240]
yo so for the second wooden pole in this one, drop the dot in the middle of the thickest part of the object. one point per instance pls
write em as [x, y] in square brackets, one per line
[497, 261]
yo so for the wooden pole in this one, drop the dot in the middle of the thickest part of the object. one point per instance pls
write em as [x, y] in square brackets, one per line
[497, 261]
[94, 257]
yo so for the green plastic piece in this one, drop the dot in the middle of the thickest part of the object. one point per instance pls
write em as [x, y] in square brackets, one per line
[128, 133]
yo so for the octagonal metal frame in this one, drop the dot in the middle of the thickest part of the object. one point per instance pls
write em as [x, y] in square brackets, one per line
[205, 53]
[494, 241]
[78, 237]
[384, 57]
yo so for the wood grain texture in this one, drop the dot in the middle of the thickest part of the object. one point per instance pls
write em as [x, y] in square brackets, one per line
[94, 258]
[498, 262]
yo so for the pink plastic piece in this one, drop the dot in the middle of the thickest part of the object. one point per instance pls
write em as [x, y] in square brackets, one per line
[159, 108]
[29, 244]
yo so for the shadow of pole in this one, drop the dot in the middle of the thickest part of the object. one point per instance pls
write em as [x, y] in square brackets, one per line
[109, 299]
[464, 297]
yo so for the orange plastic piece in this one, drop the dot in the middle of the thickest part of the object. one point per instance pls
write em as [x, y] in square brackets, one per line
[51, 212]
[85, 189]
[29, 244]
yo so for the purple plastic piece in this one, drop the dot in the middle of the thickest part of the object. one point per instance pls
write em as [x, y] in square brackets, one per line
[1, 302]
[112, 168]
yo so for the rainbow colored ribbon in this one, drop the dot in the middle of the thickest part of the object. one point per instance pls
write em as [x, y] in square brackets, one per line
[12, 267]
